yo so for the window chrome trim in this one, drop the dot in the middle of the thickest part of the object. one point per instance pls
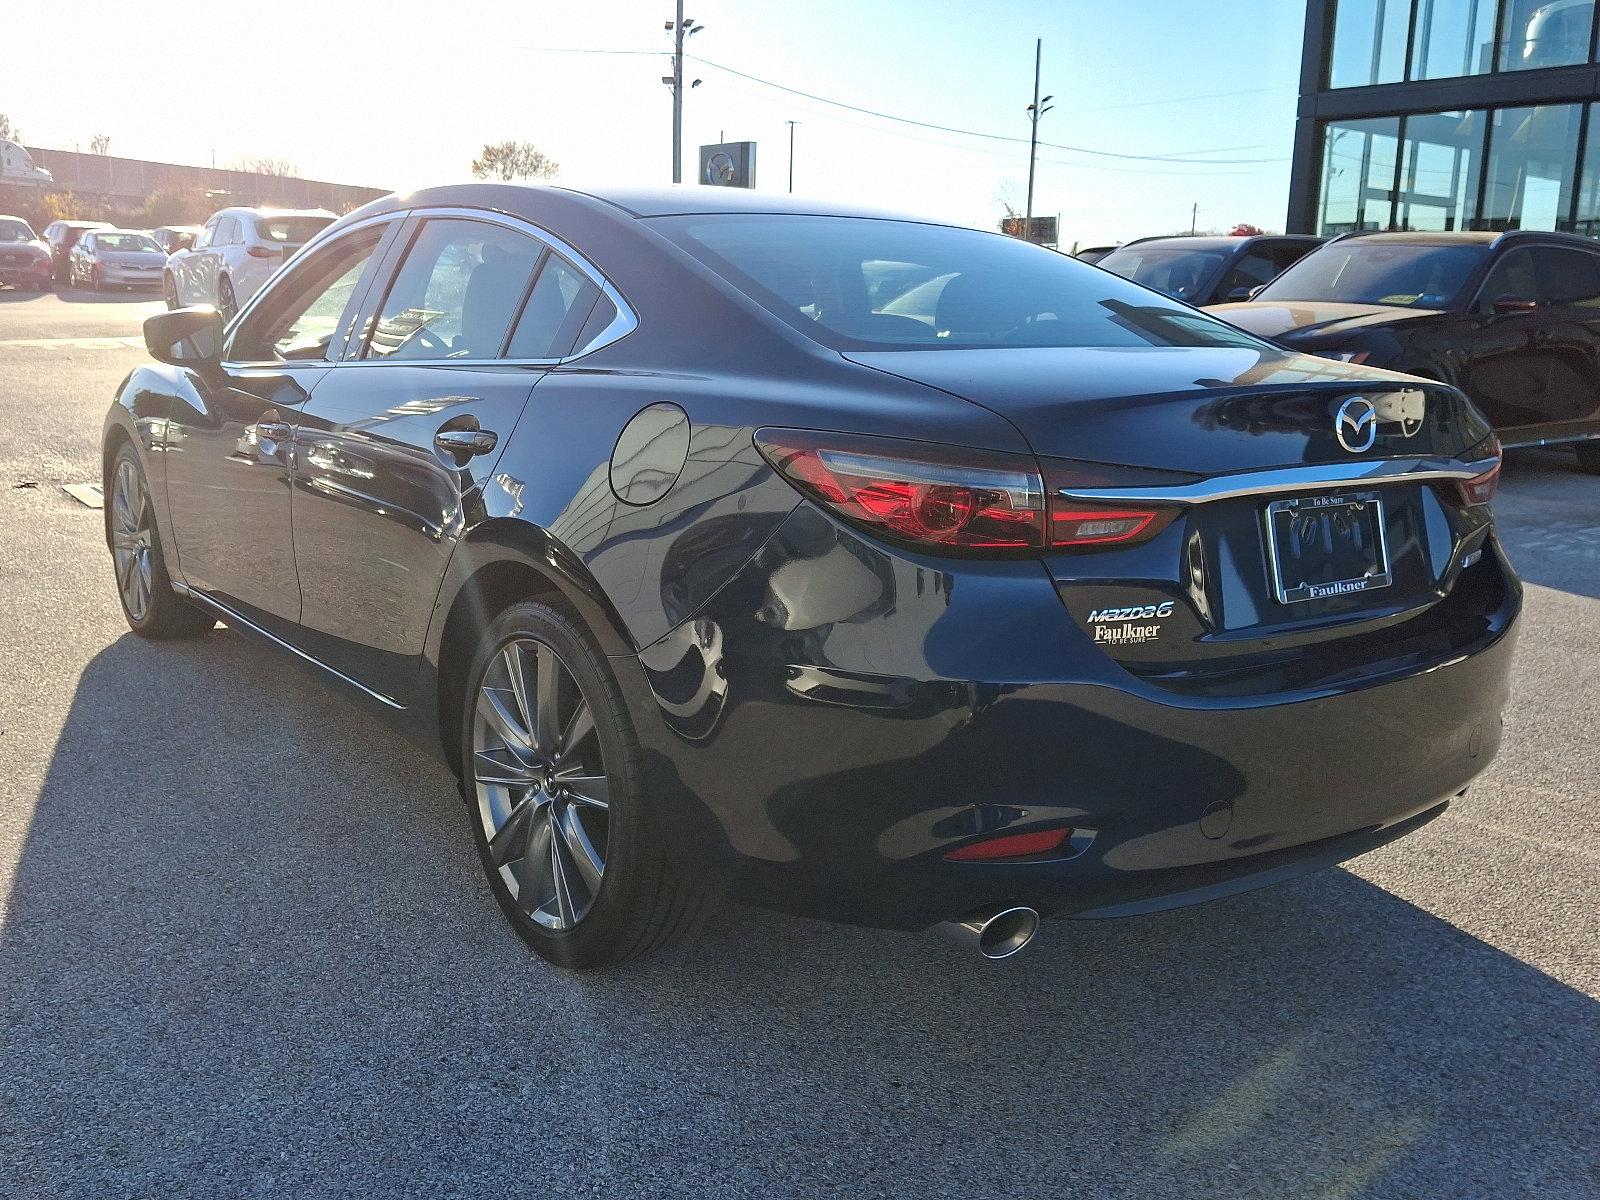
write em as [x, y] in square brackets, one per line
[276, 280]
[1277, 481]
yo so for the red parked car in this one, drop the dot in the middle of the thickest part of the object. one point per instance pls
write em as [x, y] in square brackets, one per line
[25, 261]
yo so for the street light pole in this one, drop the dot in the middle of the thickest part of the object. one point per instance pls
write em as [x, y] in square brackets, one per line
[1035, 110]
[680, 29]
[792, 124]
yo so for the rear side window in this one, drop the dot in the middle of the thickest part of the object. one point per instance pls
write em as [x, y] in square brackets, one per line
[456, 292]
[1251, 271]
[556, 309]
[1567, 277]
[861, 283]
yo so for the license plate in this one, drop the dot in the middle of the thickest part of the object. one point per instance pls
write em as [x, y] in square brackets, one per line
[1319, 547]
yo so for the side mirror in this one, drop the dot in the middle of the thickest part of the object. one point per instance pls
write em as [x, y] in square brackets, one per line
[1242, 293]
[185, 337]
[1514, 304]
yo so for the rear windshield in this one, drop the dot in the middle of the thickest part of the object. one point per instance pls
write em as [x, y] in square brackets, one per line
[125, 241]
[291, 230]
[15, 231]
[1180, 272]
[1358, 271]
[860, 283]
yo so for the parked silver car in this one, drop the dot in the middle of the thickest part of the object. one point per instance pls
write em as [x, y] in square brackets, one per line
[108, 258]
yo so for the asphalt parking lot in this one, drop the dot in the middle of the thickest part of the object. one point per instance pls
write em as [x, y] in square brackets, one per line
[245, 948]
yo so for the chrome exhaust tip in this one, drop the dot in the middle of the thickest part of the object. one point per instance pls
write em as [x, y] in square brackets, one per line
[997, 933]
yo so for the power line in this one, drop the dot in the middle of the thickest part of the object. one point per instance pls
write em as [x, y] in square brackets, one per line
[999, 137]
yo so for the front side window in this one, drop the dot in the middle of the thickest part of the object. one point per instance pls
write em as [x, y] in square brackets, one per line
[955, 289]
[456, 292]
[1567, 278]
[1368, 271]
[1251, 271]
[299, 320]
[14, 231]
[1512, 277]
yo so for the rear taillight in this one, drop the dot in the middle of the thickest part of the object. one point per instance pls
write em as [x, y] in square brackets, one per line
[1480, 489]
[947, 498]
[264, 252]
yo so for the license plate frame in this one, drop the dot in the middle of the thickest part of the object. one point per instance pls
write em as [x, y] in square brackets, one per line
[1353, 520]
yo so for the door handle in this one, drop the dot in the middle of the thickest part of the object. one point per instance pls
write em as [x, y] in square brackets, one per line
[462, 444]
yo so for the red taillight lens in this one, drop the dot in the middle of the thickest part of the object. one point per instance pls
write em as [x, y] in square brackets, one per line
[931, 495]
[947, 498]
[1480, 489]
[264, 252]
[1016, 845]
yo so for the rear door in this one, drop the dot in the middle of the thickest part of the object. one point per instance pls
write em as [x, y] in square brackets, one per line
[399, 441]
[1568, 337]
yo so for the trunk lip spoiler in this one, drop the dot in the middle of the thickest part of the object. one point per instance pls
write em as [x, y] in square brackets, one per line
[1279, 480]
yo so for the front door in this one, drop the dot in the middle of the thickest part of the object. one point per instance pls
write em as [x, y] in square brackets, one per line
[399, 442]
[228, 444]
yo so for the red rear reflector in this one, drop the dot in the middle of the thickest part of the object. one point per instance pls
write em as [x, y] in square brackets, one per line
[1015, 845]
[1091, 527]
[1480, 489]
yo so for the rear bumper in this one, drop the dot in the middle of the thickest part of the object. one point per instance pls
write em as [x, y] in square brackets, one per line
[821, 748]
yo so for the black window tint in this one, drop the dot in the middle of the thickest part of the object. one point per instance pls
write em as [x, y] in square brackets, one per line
[851, 282]
[456, 292]
[1251, 271]
[300, 319]
[600, 316]
[1514, 276]
[1567, 277]
[556, 308]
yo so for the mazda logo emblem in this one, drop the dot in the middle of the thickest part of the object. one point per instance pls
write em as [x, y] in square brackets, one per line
[1356, 424]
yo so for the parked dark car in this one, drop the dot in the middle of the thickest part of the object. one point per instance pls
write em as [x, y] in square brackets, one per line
[1036, 593]
[1207, 270]
[1092, 254]
[172, 238]
[62, 236]
[1512, 319]
[25, 261]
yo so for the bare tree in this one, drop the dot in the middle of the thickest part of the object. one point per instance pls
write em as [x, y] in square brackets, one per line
[280, 167]
[514, 160]
[100, 143]
[8, 131]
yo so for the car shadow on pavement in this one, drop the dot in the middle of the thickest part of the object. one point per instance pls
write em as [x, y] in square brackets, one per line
[248, 950]
[74, 295]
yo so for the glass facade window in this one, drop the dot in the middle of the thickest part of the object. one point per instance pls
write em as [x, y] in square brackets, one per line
[1387, 41]
[1587, 217]
[1441, 160]
[1369, 42]
[1545, 33]
[1533, 158]
[1453, 38]
[1358, 174]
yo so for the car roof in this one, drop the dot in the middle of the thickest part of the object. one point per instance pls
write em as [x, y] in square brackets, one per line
[1224, 241]
[84, 224]
[246, 210]
[683, 199]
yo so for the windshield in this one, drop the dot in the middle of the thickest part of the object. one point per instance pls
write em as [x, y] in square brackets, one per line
[14, 231]
[866, 284]
[1180, 272]
[292, 230]
[1358, 271]
[126, 241]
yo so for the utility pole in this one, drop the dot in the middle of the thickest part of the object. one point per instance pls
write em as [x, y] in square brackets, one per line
[681, 28]
[792, 124]
[1035, 110]
[1194, 214]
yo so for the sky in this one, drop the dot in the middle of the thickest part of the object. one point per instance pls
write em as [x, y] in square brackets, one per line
[403, 94]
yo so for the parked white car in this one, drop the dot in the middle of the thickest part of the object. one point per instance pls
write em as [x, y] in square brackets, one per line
[236, 252]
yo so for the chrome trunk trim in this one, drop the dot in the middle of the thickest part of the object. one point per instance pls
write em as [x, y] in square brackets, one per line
[1282, 480]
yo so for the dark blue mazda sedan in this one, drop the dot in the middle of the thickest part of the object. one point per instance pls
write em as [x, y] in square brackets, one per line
[866, 568]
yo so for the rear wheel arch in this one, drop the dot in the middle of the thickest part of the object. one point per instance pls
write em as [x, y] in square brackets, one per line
[501, 564]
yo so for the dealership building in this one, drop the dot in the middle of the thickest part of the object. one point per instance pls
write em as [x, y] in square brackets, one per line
[1448, 114]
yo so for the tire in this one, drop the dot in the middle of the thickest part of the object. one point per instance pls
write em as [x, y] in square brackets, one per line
[152, 608]
[564, 805]
[227, 303]
[1588, 456]
[169, 291]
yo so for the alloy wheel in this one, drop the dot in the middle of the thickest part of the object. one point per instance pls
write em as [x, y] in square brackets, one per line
[542, 788]
[227, 305]
[131, 538]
